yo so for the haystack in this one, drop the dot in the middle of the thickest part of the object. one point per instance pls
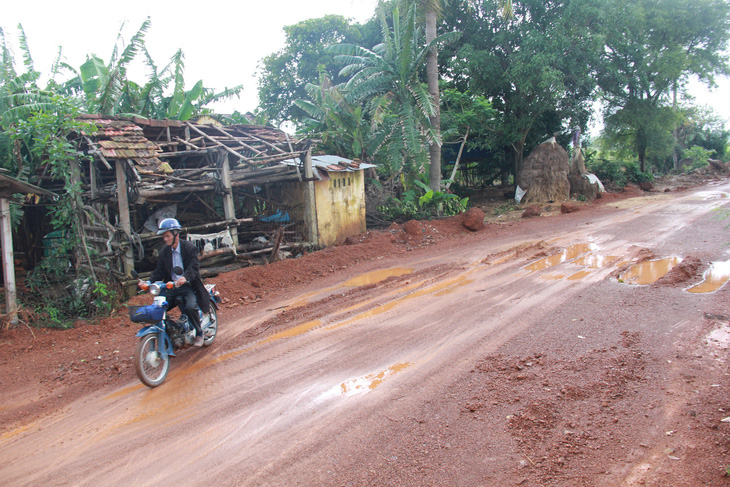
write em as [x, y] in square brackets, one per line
[581, 182]
[544, 174]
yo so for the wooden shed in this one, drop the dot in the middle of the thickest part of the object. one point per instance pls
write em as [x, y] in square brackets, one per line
[8, 187]
[220, 182]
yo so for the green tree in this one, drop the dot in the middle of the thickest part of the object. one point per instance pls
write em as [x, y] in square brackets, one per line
[386, 80]
[107, 89]
[535, 67]
[465, 120]
[652, 49]
[432, 12]
[285, 74]
[341, 124]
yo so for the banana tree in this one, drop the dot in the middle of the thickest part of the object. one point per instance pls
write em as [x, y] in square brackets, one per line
[104, 84]
[386, 80]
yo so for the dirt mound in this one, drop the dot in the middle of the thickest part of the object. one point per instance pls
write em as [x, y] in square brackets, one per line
[473, 219]
[683, 272]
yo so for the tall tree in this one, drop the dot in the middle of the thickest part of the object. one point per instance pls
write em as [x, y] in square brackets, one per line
[651, 48]
[432, 12]
[284, 75]
[535, 66]
[386, 78]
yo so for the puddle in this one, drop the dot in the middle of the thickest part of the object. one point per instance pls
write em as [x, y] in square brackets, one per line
[595, 261]
[453, 288]
[650, 271]
[369, 382]
[715, 277]
[568, 254]
[437, 289]
[720, 337]
[715, 196]
[361, 280]
[376, 276]
[292, 332]
[579, 275]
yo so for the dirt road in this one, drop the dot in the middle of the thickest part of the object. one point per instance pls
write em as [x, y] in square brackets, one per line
[520, 355]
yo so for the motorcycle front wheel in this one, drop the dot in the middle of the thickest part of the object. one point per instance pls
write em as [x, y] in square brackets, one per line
[150, 365]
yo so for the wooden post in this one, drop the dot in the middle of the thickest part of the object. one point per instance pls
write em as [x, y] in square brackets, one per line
[6, 240]
[123, 203]
[229, 208]
[310, 204]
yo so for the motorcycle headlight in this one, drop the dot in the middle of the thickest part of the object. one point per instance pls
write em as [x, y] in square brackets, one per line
[154, 289]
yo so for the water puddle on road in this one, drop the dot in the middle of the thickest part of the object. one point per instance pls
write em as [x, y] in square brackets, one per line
[376, 276]
[714, 196]
[715, 277]
[373, 277]
[650, 271]
[570, 253]
[367, 383]
[720, 337]
[595, 261]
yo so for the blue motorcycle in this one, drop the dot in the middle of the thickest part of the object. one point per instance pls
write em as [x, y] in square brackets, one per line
[164, 335]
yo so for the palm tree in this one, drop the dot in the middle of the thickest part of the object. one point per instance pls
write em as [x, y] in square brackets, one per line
[386, 79]
[432, 11]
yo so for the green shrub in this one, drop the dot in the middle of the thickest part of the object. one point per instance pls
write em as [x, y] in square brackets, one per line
[699, 156]
[422, 203]
[617, 174]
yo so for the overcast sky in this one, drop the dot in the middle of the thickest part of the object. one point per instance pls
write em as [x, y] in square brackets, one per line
[223, 40]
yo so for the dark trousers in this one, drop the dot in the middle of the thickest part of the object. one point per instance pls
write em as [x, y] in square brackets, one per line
[184, 297]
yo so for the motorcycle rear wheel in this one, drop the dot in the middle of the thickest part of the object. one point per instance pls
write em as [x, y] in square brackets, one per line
[211, 330]
[150, 365]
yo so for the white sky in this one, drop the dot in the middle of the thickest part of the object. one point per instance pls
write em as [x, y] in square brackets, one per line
[223, 40]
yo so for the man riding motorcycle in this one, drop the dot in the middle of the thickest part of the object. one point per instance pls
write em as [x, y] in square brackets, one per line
[189, 287]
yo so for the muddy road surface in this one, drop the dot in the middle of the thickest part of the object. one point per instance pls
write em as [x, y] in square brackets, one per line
[567, 350]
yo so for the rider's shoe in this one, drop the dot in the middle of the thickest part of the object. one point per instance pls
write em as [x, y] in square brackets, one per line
[198, 341]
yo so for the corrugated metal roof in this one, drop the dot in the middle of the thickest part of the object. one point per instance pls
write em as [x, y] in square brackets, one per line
[329, 163]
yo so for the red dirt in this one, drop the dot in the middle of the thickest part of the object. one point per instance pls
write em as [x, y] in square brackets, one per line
[570, 415]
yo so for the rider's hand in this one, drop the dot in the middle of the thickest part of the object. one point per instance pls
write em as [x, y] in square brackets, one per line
[180, 281]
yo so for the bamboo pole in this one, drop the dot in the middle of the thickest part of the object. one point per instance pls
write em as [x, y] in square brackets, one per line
[217, 143]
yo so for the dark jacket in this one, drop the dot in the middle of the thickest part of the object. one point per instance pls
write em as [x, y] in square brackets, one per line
[191, 271]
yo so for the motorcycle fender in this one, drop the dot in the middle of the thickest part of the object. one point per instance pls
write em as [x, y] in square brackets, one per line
[164, 344]
[215, 301]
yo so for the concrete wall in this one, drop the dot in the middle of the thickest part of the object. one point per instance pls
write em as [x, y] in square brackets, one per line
[340, 206]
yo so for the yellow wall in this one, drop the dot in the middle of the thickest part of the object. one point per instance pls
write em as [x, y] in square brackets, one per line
[340, 206]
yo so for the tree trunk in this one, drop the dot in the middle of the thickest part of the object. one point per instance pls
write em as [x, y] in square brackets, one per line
[458, 158]
[517, 150]
[432, 76]
[675, 158]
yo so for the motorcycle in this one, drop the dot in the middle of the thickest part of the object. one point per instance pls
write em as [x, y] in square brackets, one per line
[163, 335]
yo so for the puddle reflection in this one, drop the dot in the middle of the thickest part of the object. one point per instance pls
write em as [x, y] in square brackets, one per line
[376, 276]
[362, 280]
[715, 277]
[371, 381]
[650, 271]
[568, 254]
